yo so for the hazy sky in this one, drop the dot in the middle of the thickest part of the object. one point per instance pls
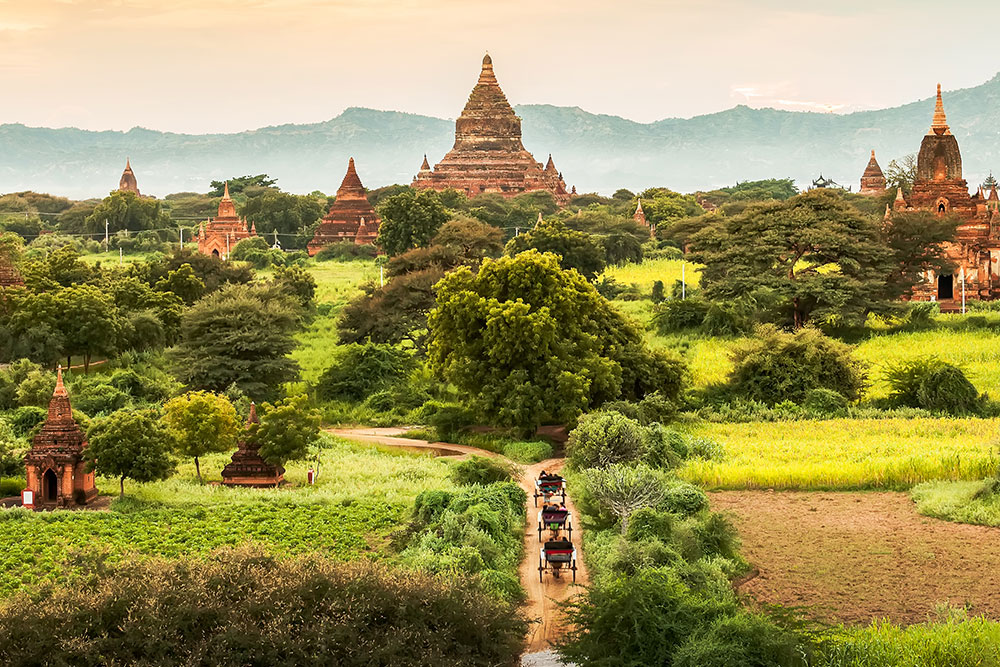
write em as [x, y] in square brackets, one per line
[229, 65]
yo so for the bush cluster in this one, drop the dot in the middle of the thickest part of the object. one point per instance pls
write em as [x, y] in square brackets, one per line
[932, 384]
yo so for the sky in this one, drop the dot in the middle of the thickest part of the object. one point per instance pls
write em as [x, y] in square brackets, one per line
[199, 66]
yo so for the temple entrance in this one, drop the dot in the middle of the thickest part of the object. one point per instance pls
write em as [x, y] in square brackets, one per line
[50, 486]
[941, 208]
[215, 253]
[945, 287]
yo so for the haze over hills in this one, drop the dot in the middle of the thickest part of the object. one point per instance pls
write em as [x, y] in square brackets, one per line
[595, 152]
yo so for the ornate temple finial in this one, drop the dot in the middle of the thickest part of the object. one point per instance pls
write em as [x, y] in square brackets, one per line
[638, 208]
[426, 165]
[253, 228]
[486, 75]
[873, 153]
[940, 123]
[128, 164]
[225, 195]
[252, 419]
[60, 387]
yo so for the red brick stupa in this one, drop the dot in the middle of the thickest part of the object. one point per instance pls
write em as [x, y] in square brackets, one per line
[351, 218]
[873, 180]
[220, 235]
[488, 155]
[56, 471]
[9, 275]
[128, 182]
[247, 467]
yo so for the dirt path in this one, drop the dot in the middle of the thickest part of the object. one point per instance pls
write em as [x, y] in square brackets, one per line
[541, 598]
[852, 557]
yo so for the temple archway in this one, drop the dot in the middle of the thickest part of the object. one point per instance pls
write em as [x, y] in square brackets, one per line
[215, 253]
[946, 287]
[50, 486]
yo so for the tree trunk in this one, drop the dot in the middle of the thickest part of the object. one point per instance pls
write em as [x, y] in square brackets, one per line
[69, 362]
[86, 363]
[121, 482]
[797, 313]
[197, 469]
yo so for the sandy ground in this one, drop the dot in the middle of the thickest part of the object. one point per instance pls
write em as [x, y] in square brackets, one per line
[542, 598]
[853, 557]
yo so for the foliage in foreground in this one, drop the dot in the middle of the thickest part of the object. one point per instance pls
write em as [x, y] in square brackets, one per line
[245, 607]
[976, 502]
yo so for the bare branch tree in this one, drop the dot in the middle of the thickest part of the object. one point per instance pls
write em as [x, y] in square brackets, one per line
[623, 489]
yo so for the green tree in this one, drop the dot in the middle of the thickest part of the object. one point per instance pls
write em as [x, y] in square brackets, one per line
[126, 210]
[182, 282]
[240, 334]
[297, 282]
[471, 239]
[129, 444]
[663, 206]
[294, 216]
[286, 430]
[915, 239]
[211, 270]
[201, 423]
[238, 184]
[576, 250]
[410, 219]
[813, 256]
[901, 173]
[531, 343]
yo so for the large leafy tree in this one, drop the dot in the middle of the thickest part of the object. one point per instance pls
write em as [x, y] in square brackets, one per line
[210, 270]
[201, 423]
[127, 210]
[238, 184]
[812, 257]
[294, 216]
[410, 219]
[531, 343]
[914, 240]
[286, 430]
[576, 250]
[239, 335]
[129, 444]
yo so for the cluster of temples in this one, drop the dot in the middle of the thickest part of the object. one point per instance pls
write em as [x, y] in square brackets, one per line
[940, 188]
[219, 235]
[351, 218]
[488, 155]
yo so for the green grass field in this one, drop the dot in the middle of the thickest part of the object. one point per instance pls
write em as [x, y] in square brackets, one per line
[362, 494]
[847, 453]
[963, 502]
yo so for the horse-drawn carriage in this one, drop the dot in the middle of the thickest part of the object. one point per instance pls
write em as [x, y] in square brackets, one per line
[555, 518]
[549, 485]
[556, 556]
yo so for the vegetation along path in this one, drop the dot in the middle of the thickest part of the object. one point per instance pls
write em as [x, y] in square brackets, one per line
[852, 557]
[542, 599]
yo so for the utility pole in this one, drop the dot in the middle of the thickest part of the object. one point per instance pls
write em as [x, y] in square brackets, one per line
[106, 245]
[683, 281]
[182, 238]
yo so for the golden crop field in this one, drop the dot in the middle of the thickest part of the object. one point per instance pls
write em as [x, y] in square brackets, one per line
[847, 453]
[645, 274]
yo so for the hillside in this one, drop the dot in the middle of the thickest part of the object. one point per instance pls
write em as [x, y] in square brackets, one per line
[595, 152]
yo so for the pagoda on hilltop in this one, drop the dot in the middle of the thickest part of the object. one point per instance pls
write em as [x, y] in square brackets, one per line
[873, 180]
[247, 467]
[941, 189]
[488, 155]
[56, 470]
[218, 236]
[351, 219]
[128, 182]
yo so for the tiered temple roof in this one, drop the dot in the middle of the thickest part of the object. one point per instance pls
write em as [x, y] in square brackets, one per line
[218, 236]
[247, 467]
[488, 155]
[873, 180]
[351, 219]
[128, 182]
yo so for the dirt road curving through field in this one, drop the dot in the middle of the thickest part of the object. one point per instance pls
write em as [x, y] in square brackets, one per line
[542, 598]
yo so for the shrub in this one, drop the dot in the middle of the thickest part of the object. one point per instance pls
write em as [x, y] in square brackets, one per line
[24, 419]
[12, 450]
[449, 419]
[658, 294]
[604, 438]
[243, 607]
[825, 402]
[620, 490]
[346, 251]
[361, 369]
[683, 499]
[530, 451]
[11, 486]
[482, 470]
[665, 447]
[100, 398]
[36, 389]
[932, 384]
[244, 248]
[775, 366]
[680, 314]
[705, 448]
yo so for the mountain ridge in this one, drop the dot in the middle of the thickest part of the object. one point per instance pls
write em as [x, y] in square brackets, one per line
[595, 152]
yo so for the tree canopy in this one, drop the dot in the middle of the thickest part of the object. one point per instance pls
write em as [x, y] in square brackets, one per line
[576, 250]
[129, 444]
[410, 219]
[201, 423]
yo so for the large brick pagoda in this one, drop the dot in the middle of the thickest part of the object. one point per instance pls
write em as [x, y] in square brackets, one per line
[219, 235]
[940, 187]
[247, 467]
[873, 180]
[128, 182]
[351, 219]
[56, 470]
[488, 155]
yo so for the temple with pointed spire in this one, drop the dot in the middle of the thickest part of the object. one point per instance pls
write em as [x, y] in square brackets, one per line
[247, 467]
[56, 472]
[940, 188]
[351, 219]
[219, 235]
[488, 155]
[127, 183]
[873, 180]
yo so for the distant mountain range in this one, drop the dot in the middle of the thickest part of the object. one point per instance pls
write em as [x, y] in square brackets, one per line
[595, 152]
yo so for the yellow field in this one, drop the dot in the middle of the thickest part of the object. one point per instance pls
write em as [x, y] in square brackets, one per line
[847, 453]
[645, 274]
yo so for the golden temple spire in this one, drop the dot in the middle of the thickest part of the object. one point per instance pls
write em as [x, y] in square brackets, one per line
[60, 387]
[225, 195]
[940, 123]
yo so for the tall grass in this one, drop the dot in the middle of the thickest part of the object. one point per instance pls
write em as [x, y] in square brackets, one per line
[971, 643]
[847, 453]
[964, 502]
[648, 272]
